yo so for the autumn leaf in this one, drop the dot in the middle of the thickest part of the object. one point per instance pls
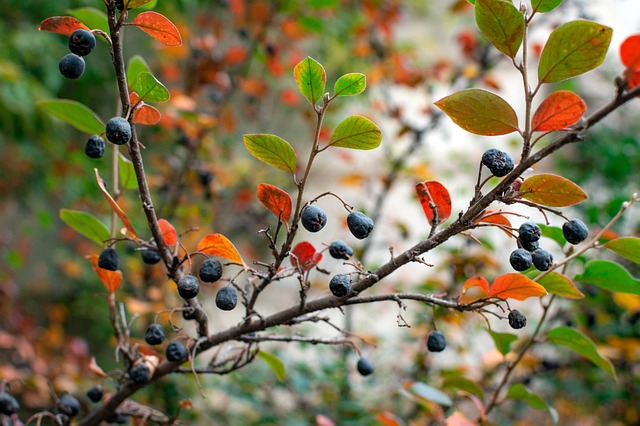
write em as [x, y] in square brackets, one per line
[64, 25]
[110, 279]
[276, 201]
[630, 52]
[158, 27]
[496, 219]
[515, 286]
[476, 281]
[114, 205]
[305, 256]
[144, 114]
[434, 194]
[560, 110]
[551, 190]
[219, 245]
[169, 233]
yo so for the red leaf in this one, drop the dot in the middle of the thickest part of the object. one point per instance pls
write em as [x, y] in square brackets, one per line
[561, 109]
[630, 52]
[386, 418]
[158, 27]
[144, 114]
[433, 194]
[476, 281]
[497, 219]
[515, 286]
[64, 25]
[219, 245]
[110, 279]
[276, 200]
[169, 233]
[305, 256]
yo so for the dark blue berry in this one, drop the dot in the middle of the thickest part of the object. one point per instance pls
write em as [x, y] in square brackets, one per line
[150, 257]
[359, 224]
[120, 5]
[8, 404]
[498, 162]
[530, 247]
[226, 298]
[365, 367]
[71, 66]
[529, 232]
[176, 352]
[520, 260]
[96, 393]
[210, 271]
[154, 334]
[189, 312]
[313, 218]
[575, 231]
[436, 342]
[118, 131]
[82, 42]
[140, 373]
[542, 259]
[94, 147]
[188, 287]
[517, 320]
[340, 285]
[69, 405]
[340, 250]
[109, 259]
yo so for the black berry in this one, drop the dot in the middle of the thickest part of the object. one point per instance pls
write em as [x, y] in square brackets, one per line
[530, 247]
[542, 259]
[498, 162]
[340, 285]
[359, 224]
[575, 231]
[529, 232]
[94, 147]
[109, 259]
[520, 260]
[150, 257]
[517, 320]
[71, 66]
[365, 367]
[118, 130]
[154, 334]
[188, 287]
[436, 342]
[140, 373]
[69, 405]
[176, 352]
[188, 313]
[313, 218]
[96, 393]
[120, 5]
[210, 271]
[82, 42]
[226, 298]
[8, 404]
[118, 419]
[340, 250]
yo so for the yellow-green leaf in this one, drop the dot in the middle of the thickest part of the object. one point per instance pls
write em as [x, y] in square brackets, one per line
[501, 23]
[311, 79]
[274, 363]
[126, 173]
[135, 66]
[350, 84]
[551, 190]
[272, 150]
[578, 342]
[149, 89]
[627, 247]
[74, 113]
[86, 224]
[356, 132]
[559, 284]
[545, 5]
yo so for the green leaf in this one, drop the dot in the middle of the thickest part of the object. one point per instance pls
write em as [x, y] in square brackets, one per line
[480, 111]
[561, 285]
[502, 24]
[553, 232]
[74, 113]
[356, 132]
[424, 391]
[350, 84]
[520, 392]
[273, 150]
[609, 276]
[92, 18]
[136, 65]
[627, 247]
[132, 4]
[503, 341]
[126, 173]
[311, 78]
[578, 342]
[545, 5]
[573, 49]
[464, 384]
[149, 88]
[274, 362]
[86, 224]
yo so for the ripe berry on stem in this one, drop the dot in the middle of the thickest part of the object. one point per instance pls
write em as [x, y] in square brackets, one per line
[71, 66]
[542, 260]
[226, 298]
[365, 367]
[436, 342]
[188, 287]
[109, 259]
[154, 334]
[210, 271]
[340, 285]
[517, 320]
[340, 250]
[82, 42]
[118, 131]
[313, 218]
[359, 224]
[575, 231]
[94, 147]
[520, 260]
[498, 162]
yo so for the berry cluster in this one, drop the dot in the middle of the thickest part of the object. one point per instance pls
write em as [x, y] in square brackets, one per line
[81, 43]
[530, 252]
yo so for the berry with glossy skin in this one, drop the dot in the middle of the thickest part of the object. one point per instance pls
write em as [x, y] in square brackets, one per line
[188, 313]
[359, 224]
[530, 247]
[176, 352]
[529, 232]
[154, 334]
[150, 257]
[210, 271]
[436, 342]
[140, 373]
[340, 285]
[365, 367]
[313, 218]
[118, 131]
[520, 260]
[69, 405]
[94, 147]
[517, 320]
[498, 162]
[82, 42]
[542, 259]
[188, 287]
[96, 393]
[575, 231]
[340, 250]
[226, 298]
[8, 404]
[71, 66]
[109, 259]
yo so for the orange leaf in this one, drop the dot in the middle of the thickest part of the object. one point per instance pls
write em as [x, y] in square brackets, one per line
[146, 114]
[158, 27]
[458, 419]
[560, 110]
[235, 55]
[169, 234]
[276, 200]
[114, 205]
[94, 367]
[515, 286]
[387, 419]
[497, 219]
[551, 190]
[219, 245]
[110, 279]
[476, 281]
[630, 52]
[305, 256]
[185, 404]
[434, 194]
[64, 25]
